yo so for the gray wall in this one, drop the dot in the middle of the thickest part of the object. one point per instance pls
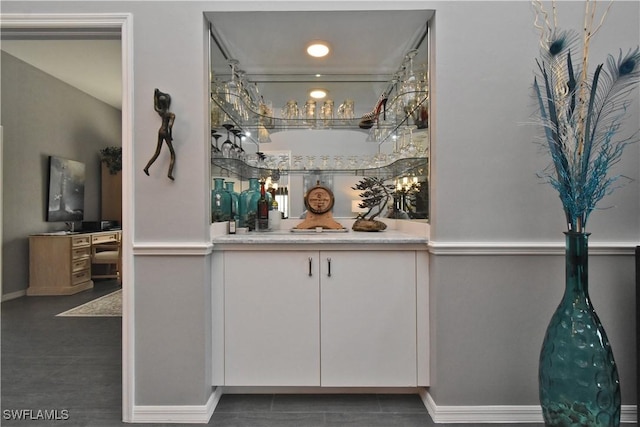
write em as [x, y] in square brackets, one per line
[484, 156]
[43, 116]
[488, 311]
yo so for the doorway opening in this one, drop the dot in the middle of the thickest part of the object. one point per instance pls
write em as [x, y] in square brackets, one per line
[91, 26]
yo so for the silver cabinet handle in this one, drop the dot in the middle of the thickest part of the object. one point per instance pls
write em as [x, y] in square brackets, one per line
[310, 273]
[329, 265]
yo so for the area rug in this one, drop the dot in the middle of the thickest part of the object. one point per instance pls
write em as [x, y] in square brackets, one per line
[109, 305]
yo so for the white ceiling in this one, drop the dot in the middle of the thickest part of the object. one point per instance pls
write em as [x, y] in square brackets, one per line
[92, 66]
[367, 48]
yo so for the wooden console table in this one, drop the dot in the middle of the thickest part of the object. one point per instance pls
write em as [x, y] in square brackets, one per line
[60, 264]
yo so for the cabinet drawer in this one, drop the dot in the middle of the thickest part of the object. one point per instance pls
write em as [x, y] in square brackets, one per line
[78, 253]
[80, 241]
[80, 277]
[104, 238]
[80, 264]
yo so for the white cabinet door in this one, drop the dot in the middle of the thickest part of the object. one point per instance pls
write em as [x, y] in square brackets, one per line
[368, 318]
[272, 318]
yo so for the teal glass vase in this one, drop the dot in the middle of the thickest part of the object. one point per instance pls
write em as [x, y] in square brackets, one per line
[578, 377]
[235, 198]
[248, 204]
[220, 202]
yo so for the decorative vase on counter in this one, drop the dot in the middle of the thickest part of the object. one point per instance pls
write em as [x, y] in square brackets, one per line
[248, 204]
[578, 378]
[235, 198]
[220, 202]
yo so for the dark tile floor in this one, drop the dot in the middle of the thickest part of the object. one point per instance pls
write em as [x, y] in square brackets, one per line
[73, 366]
[284, 410]
[61, 363]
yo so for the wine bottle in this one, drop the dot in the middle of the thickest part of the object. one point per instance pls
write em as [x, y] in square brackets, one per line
[263, 210]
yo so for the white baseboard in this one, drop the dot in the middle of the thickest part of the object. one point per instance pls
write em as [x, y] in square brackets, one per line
[183, 414]
[499, 414]
[14, 295]
[488, 414]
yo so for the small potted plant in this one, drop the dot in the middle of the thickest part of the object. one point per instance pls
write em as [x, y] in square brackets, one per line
[112, 157]
[375, 196]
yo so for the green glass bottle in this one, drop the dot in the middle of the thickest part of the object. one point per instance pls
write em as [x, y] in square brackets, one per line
[235, 198]
[248, 204]
[220, 202]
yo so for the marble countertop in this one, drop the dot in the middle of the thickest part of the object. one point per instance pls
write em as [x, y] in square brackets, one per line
[324, 237]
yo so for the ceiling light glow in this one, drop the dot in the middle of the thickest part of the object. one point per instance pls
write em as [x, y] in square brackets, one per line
[318, 49]
[318, 93]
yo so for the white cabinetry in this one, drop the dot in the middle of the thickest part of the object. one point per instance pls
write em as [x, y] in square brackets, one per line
[368, 319]
[271, 322]
[320, 318]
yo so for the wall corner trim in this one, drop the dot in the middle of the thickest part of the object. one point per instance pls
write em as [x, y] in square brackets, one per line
[503, 414]
[196, 414]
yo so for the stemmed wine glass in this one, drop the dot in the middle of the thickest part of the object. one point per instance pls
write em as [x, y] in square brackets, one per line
[397, 110]
[297, 162]
[235, 149]
[310, 160]
[393, 156]
[325, 162]
[227, 145]
[410, 82]
[411, 147]
[239, 151]
[353, 162]
[401, 143]
[214, 148]
[242, 102]
[261, 160]
[231, 92]
[283, 162]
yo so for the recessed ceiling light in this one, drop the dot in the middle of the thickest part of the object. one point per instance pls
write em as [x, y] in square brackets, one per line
[318, 93]
[318, 49]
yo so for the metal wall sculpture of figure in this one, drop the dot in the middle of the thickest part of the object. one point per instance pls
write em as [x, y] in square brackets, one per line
[161, 103]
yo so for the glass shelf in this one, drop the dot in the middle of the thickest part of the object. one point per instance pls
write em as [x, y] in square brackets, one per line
[401, 167]
[232, 109]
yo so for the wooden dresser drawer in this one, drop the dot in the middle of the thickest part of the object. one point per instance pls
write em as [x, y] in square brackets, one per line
[82, 252]
[80, 264]
[104, 237]
[81, 241]
[80, 277]
[60, 264]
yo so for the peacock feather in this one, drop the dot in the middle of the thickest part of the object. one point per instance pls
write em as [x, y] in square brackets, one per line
[581, 115]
